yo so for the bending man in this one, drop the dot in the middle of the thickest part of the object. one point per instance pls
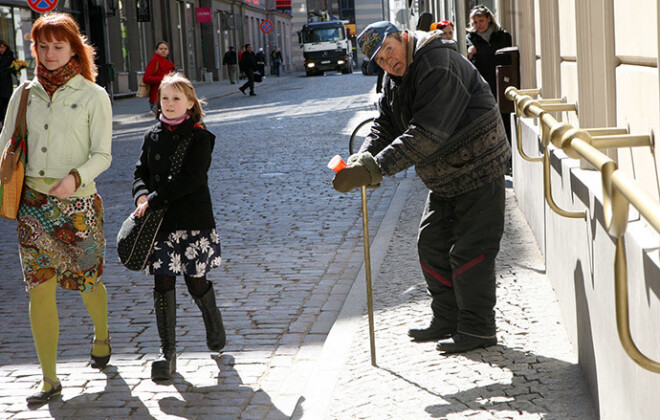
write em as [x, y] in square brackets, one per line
[438, 114]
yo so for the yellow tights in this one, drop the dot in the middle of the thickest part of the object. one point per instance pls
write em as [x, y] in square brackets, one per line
[46, 324]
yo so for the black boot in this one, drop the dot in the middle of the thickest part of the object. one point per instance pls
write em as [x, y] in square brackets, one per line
[165, 306]
[460, 342]
[215, 331]
[445, 316]
[435, 331]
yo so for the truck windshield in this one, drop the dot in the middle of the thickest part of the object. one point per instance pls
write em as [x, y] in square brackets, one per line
[323, 35]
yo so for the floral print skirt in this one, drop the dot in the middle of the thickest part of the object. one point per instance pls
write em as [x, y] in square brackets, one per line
[190, 252]
[63, 238]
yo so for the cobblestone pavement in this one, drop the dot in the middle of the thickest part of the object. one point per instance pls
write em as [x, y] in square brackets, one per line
[531, 374]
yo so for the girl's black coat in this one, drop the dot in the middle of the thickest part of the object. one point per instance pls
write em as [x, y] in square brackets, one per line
[187, 195]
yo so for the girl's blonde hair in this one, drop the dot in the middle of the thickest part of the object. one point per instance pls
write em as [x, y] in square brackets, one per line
[57, 26]
[181, 83]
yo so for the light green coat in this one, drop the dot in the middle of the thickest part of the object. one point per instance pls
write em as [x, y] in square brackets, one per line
[71, 131]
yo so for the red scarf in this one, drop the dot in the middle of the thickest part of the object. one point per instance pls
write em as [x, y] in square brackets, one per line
[52, 80]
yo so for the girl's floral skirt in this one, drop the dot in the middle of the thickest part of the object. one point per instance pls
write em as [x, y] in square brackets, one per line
[62, 238]
[190, 252]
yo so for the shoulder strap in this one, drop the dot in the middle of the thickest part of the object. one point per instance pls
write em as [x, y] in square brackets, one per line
[20, 129]
[179, 155]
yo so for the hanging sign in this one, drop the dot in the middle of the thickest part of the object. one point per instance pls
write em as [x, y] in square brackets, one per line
[42, 6]
[203, 15]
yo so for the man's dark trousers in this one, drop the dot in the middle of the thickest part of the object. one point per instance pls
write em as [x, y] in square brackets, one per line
[250, 81]
[458, 241]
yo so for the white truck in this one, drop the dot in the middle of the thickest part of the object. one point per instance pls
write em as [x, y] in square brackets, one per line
[326, 46]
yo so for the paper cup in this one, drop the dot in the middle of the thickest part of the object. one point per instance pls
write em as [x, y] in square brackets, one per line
[336, 163]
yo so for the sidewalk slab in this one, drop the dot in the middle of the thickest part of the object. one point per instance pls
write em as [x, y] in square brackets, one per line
[531, 374]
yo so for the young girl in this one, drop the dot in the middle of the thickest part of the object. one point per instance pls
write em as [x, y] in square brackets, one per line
[187, 243]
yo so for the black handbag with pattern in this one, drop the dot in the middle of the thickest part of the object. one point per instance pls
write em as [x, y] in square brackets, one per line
[135, 240]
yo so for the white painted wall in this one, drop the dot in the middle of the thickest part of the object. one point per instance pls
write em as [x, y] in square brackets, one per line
[608, 64]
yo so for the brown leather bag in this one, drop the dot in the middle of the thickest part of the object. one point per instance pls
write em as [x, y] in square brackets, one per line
[12, 164]
[145, 88]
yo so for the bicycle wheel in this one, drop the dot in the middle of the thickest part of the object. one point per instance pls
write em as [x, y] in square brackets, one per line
[359, 134]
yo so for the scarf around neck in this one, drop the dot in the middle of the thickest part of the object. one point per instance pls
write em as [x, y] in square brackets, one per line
[52, 80]
[486, 35]
[173, 124]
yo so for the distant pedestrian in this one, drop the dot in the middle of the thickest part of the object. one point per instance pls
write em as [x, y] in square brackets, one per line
[248, 67]
[187, 243]
[241, 75]
[424, 22]
[460, 154]
[484, 38]
[276, 61]
[60, 218]
[229, 60]
[261, 61]
[159, 66]
[6, 78]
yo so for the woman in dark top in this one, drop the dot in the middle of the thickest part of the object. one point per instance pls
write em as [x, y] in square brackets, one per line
[486, 37]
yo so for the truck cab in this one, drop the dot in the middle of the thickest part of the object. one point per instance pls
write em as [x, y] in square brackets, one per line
[326, 46]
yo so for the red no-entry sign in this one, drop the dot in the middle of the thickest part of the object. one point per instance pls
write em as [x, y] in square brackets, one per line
[266, 26]
[42, 6]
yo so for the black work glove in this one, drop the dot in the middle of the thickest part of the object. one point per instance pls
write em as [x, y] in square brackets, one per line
[351, 177]
[362, 170]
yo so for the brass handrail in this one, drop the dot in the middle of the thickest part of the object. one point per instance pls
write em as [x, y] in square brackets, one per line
[521, 152]
[531, 108]
[619, 191]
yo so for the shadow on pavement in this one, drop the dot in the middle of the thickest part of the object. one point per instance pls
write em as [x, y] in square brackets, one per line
[115, 400]
[537, 383]
[219, 400]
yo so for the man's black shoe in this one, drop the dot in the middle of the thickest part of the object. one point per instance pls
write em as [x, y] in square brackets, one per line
[253, 94]
[459, 343]
[434, 332]
[242, 90]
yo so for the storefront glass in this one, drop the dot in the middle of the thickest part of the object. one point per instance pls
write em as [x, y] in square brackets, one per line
[15, 27]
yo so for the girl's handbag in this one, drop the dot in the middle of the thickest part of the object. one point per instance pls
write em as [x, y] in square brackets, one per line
[144, 88]
[135, 240]
[12, 164]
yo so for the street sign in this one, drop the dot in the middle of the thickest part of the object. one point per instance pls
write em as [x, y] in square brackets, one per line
[42, 6]
[266, 26]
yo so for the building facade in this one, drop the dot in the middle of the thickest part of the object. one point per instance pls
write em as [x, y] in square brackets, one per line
[199, 32]
[125, 33]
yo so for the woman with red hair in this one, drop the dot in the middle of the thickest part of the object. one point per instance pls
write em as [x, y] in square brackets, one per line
[447, 28]
[60, 217]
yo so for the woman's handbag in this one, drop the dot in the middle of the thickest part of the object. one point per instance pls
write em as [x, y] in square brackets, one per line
[135, 240]
[145, 88]
[12, 164]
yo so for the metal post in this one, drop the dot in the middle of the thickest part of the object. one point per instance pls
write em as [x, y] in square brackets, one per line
[367, 272]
